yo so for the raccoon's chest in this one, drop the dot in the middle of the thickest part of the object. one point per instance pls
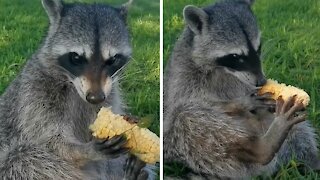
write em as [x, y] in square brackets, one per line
[82, 116]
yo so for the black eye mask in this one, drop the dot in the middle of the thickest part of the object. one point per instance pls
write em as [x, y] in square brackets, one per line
[114, 63]
[233, 61]
[77, 64]
[73, 62]
[242, 62]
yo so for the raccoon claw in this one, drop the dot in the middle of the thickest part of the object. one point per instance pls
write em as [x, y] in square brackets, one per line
[290, 110]
[266, 95]
[255, 102]
[266, 98]
[133, 169]
[113, 147]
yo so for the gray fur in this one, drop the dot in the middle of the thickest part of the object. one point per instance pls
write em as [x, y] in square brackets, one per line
[196, 19]
[124, 8]
[53, 9]
[44, 122]
[197, 129]
[249, 2]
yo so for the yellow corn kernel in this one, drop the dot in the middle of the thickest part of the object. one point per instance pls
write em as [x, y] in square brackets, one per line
[285, 91]
[142, 142]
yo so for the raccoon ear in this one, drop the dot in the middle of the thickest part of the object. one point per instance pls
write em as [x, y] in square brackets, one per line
[124, 8]
[53, 9]
[195, 18]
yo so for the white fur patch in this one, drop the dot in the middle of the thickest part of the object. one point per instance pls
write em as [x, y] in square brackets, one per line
[109, 51]
[82, 86]
[107, 86]
[81, 50]
[256, 42]
[221, 53]
[245, 77]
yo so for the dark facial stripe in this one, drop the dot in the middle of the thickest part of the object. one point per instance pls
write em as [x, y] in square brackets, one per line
[97, 36]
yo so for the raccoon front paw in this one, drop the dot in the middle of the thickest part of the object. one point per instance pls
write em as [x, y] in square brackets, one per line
[289, 112]
[253, 102]
[112, 148]
[264, 101]
[133, 169]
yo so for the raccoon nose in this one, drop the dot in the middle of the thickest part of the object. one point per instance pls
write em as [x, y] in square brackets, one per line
[95, 98]
[261, 82]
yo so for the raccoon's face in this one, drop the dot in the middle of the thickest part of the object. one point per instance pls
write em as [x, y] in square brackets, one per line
[90, 44]
[226, 36]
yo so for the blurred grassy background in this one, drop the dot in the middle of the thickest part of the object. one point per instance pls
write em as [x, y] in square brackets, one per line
[23, 24]
[291, 53]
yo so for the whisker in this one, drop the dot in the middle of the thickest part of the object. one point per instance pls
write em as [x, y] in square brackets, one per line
[124, 66]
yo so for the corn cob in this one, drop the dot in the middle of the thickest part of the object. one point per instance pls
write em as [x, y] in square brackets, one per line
[142, 142]
[285, 91]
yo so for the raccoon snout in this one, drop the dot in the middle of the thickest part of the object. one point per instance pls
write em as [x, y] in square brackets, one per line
[261, 82]
[95, 97]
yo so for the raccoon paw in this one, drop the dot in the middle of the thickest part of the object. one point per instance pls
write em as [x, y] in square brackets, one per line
[264, 101]
[112, 148]
[133, 169]
[254, 102]
[290, 112]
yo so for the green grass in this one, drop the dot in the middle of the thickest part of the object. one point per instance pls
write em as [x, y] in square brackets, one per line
[291, 53]
[23, 24]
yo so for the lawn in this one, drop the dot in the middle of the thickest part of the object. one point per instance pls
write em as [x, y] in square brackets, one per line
[24, 24]
[291, 53]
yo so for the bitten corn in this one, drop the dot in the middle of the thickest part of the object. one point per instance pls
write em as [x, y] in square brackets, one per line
[285, 91]
[142, 142]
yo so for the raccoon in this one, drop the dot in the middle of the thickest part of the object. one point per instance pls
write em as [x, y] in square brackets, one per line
[45, 112]
[214, 122]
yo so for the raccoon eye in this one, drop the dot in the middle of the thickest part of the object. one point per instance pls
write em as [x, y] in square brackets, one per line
[235, 56]
[110, 61]
[113, 59]
[241, 60]
[76, 59]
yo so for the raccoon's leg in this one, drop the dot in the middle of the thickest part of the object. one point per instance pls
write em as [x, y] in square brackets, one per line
[122, 168]
[31, 161]
[301, 142]
[134, 169]
[262, 149]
